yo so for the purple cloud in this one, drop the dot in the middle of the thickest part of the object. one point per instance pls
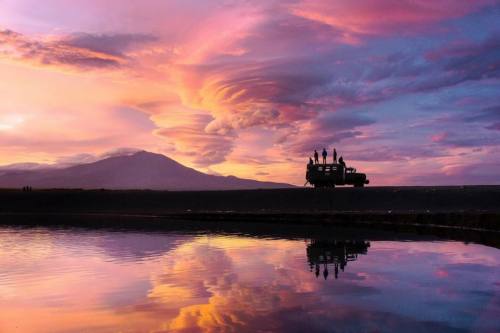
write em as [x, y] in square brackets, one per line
[453, 139]
[489, 114]
[467, 174]
[115, 44]
[83, 51]
[495, 127]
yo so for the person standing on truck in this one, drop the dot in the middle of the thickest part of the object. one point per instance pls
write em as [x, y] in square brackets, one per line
[341, 161]
[316, 157]
[334, 155]
[324, 154]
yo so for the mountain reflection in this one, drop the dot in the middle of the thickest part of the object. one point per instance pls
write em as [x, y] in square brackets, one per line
[322, 254]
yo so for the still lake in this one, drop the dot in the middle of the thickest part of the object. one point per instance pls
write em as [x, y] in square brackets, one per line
[80, 280]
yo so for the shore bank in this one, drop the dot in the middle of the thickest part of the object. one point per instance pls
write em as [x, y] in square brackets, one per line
[467, 207]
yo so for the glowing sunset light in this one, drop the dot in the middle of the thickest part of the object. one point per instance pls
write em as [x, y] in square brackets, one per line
[8, 122]
[252, 88]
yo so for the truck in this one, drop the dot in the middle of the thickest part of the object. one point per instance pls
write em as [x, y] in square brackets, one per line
[331, 175]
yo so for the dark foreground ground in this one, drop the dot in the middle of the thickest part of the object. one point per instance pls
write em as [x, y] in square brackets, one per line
[465, 208]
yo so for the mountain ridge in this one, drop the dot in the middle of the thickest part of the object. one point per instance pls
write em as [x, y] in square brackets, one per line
[140, 170]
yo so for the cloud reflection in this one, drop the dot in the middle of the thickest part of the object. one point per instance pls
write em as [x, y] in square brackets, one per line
[73, 281]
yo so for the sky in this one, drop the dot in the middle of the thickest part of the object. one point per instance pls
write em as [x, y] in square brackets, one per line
[406, 91]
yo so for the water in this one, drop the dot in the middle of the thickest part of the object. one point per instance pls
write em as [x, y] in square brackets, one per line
[74, 280]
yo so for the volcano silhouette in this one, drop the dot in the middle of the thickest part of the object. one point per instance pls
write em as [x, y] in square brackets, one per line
[142, 170]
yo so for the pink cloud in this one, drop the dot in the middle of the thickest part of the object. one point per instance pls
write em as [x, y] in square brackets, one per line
[440, 137]
[384, 17]
[252, 93]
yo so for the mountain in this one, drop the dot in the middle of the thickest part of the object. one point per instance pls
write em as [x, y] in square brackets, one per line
[141, 170]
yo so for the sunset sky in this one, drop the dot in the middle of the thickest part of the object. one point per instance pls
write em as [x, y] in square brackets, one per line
[407, 91]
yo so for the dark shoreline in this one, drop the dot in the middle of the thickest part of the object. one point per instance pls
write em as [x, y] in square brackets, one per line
[286, 227]
[425, 199]
[454, 207]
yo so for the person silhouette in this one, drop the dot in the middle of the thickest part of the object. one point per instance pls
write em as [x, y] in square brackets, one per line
[341, 161]
[316, 157]
[334, 155]
[324, 154]
[311, 161]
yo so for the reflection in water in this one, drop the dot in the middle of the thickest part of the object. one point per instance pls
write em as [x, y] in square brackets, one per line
[335, 253]
[101, 281]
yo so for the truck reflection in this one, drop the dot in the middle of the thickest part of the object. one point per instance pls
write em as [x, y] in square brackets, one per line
[334, 253]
